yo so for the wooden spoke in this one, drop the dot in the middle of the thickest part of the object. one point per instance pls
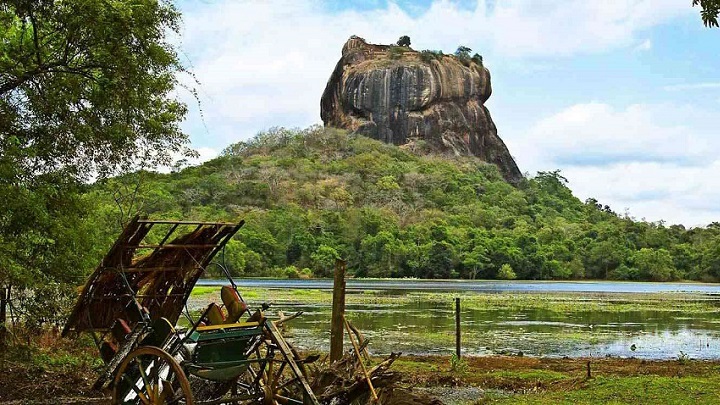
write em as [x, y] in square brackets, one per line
[149, 375]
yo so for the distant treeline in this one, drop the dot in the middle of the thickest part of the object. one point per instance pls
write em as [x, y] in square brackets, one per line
[311, 196]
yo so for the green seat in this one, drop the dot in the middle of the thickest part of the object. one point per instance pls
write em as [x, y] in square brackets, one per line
[221, 351]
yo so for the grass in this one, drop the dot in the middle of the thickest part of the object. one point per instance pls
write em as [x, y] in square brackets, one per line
[561, 303]
[628, 390]
[509, 380]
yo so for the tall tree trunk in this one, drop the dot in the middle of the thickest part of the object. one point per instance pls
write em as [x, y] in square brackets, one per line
[4, 297]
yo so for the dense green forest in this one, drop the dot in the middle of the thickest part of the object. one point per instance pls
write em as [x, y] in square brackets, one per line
[311, 196]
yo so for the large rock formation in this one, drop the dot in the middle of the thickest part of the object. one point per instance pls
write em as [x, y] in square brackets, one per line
[399, 96]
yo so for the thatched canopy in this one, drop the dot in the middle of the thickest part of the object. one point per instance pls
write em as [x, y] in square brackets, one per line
[156, 263]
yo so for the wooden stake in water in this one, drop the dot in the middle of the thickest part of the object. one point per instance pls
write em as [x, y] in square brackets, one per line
[337, 326]
[457, 328]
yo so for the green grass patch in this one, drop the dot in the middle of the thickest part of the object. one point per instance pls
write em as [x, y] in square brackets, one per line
[204, 290]
[627, 390]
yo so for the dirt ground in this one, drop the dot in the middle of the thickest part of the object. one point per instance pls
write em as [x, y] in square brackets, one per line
[58, 383]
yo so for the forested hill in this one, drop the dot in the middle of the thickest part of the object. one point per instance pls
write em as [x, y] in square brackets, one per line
[310, 196]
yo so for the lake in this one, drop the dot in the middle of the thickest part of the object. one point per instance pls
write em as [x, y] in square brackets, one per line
[575, 319]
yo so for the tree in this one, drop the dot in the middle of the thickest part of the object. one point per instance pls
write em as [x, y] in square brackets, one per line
[710, 11]
[404, 41]
[324, 260]
[86, 91]
[654, 264]
[506, 272]
[463, 52]
[477, 58]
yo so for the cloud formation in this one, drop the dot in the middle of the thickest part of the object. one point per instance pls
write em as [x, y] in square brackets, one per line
[264, 64]
[656, 160]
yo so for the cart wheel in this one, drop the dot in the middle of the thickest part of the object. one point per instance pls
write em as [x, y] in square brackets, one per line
[280, 384]
[150, 375]
[276, 384]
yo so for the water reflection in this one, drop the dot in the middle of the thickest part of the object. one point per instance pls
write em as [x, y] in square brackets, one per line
[424, 327]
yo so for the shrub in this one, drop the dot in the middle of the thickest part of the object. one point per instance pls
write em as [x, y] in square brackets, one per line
[506, 272]
[477, 58]
[428, 55]
[397, 51]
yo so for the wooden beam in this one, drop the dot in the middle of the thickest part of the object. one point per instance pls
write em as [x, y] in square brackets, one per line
[171, 246]
[162, 221]
[149, 269]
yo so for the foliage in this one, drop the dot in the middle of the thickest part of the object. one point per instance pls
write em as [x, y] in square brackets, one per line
[428, 55]
[463, 52]
[397, 51]
[683, 358]
[477, 58]
[404, 41]
[310, 196]
[710, 11]
[86, 91]
[506, 273]
[458, 364]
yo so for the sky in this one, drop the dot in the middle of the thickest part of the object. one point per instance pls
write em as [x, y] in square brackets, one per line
[622, 96]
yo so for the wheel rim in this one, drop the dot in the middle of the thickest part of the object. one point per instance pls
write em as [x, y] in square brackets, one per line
[149, 375]
[276, 385]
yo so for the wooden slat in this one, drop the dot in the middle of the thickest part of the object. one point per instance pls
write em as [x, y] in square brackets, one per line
[148, 269]
[228, 326]
[288, 355]
[148, 221]
[171, 246]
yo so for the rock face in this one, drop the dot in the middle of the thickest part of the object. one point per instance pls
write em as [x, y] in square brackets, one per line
[400, 96]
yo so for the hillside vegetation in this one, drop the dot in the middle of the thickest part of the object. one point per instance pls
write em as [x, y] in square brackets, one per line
[311, 196]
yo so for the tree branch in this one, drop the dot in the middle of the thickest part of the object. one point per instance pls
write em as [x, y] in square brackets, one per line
[36, 41]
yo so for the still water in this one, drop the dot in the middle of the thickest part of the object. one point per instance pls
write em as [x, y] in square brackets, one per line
[479, 286]
[426, 325]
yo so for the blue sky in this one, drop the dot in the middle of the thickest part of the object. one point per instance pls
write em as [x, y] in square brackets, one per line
[623, 96]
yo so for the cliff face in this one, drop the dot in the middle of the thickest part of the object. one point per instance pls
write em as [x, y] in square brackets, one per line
[398, 96]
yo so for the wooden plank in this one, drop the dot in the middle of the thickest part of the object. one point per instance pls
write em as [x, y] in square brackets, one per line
[171, 246]
[169, 221]
[290, 359]
[228, 326]
[148, 269]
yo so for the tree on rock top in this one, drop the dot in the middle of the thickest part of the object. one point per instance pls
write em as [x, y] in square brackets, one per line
[404, 41]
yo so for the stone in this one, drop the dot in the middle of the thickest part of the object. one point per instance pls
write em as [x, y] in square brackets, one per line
[400, 96]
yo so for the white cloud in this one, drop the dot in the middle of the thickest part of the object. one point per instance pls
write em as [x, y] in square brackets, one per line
[654, 191]
[645, 158]
[693, 86]
[262, 64]
[645, 45]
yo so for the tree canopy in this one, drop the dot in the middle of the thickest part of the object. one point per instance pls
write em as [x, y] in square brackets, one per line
[310, 196]
[86, 91]
[710, 11]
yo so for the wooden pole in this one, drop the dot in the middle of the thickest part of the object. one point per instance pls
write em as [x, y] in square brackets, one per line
[337, 325]
[360, 360]
[457, 328]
